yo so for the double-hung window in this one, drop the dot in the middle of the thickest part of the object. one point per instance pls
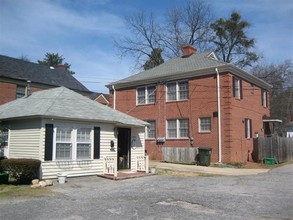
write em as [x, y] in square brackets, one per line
[177, 91]
[205, 124]
[264, 98]
[248, 128]
[4, 137]
[63, 144]
[83, 143]
[151, 130]
[20, 91]
[146, 95]
[177, 128]
[237, 88]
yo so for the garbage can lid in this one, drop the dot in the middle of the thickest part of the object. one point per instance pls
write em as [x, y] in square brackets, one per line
[205, 148]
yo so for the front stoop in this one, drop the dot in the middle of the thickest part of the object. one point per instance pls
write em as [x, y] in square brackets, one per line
[125, 175]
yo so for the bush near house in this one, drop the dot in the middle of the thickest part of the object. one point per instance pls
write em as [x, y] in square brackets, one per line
[22, 170]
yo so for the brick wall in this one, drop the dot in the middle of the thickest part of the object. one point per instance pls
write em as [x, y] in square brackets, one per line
[8, 92]
[202, 102]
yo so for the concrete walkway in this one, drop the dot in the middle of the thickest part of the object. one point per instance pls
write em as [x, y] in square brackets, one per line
[207, 170]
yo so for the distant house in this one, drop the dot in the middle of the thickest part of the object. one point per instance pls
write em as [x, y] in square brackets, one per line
[71, 133]
[19, 77]
[100, 97]
[289, 129]
[193, 101]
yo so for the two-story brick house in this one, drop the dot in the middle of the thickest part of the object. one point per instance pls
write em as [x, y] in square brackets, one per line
[196, 100]
[19, 77]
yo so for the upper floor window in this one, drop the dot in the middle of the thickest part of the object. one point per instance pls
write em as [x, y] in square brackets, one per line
[151, 130]
[264, 98]
[20, 91]
[205, 124]
[177, 128]
[146, 95]
[177, 91]
[237, 88]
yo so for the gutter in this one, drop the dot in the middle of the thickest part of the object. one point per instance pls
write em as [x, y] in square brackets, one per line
[219, 117]
[114, 94]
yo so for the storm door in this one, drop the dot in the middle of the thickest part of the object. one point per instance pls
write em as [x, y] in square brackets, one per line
[124, 138]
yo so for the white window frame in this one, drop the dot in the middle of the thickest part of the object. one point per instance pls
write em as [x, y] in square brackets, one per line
[177, 128]
[147, 94]
[264, 98]
[73, 141]
[237, 88]
[248, 127]
[20, 91]
[150, 129]
[84, 142]
[201, 125]
[177, 91]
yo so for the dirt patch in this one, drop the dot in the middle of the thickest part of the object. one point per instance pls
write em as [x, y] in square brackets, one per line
[187, 205]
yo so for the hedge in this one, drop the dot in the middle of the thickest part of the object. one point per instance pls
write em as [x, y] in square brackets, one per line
[21, 169]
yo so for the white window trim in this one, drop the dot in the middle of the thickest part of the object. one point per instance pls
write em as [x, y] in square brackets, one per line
[177, 92]
[199, 125]
[264, 98]
[237, 85]
[147, 131]
[73, 141]
[177, 128]
[146, 95]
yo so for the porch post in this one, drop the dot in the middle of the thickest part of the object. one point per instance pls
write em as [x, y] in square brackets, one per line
[147, 164]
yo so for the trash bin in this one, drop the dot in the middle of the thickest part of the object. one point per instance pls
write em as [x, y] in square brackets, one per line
[204, 156]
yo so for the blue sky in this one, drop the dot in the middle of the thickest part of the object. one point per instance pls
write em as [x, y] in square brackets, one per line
[83, 31]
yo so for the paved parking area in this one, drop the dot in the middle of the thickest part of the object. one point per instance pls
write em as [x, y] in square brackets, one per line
[261, 196]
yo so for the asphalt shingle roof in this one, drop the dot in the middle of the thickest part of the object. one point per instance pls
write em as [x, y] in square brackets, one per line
[63, 103]
[177, 65]
[22, 70]
[197, 64]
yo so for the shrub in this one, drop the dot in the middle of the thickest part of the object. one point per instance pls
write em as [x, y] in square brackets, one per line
[22, 170]
[1, 168]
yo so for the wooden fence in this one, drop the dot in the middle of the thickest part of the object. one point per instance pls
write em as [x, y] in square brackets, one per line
[280, 148]
[179, 154]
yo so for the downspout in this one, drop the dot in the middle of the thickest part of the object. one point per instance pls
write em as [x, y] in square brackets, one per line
[114, 98]
[219, 117]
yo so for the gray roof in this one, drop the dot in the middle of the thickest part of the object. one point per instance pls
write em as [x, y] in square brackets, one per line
[17, 69]
[196, 65]
[95, 95]
[63, 103]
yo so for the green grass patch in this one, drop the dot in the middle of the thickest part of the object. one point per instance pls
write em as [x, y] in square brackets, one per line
[10, 191]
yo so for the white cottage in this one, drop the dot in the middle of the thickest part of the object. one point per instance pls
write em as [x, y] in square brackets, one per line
[71, 133]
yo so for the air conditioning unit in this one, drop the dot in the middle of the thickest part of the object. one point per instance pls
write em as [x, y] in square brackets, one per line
[160, 140]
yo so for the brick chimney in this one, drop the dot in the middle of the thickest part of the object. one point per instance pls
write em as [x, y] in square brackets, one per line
[61, 66]
[188, 50]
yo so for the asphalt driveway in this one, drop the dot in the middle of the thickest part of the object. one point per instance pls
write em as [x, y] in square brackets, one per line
[262, 196]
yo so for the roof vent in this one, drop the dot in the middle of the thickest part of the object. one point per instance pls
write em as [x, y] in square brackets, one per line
[188, 50]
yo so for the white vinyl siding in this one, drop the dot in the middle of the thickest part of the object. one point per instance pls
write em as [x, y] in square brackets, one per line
[177, 91]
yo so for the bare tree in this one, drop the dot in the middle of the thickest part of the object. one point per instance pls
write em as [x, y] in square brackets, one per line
[189, 24]
[144, 39]
[281, 78]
